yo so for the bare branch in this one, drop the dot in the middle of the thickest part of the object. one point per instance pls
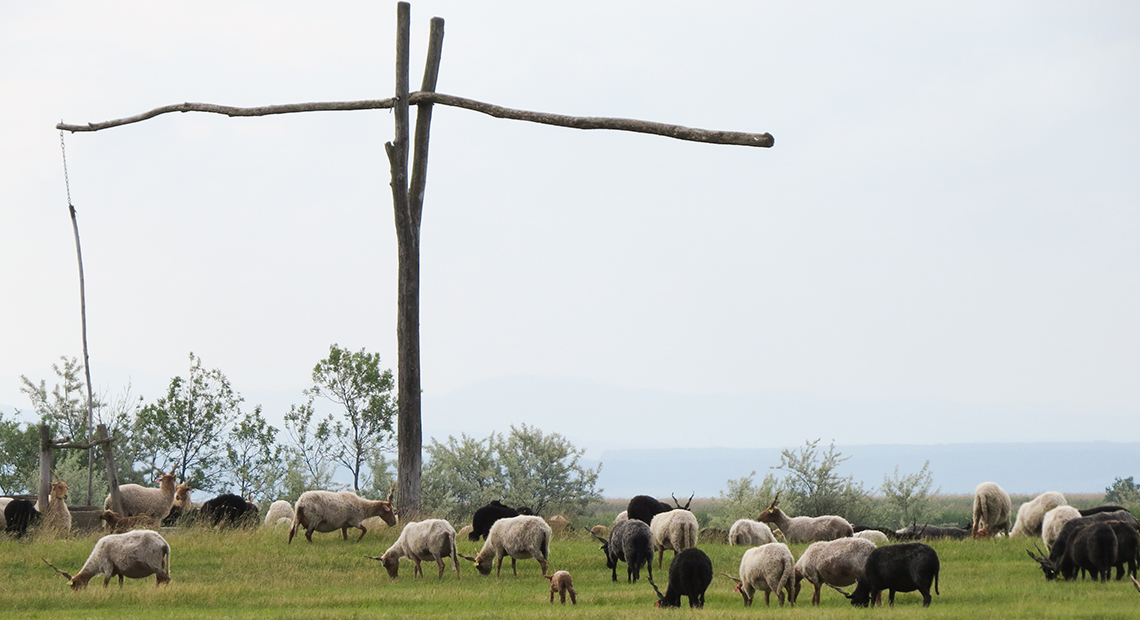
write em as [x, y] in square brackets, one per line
[678, 132]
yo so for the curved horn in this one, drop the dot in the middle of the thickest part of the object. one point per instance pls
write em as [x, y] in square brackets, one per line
[776, 500]
[56, 569]
[466, 557]
[838, 590]
[675, 500]
[391, 490]
[1039, 551]
[1136, 583]
[690, 500]
[737, 580]
[660, 596]
[591, 533]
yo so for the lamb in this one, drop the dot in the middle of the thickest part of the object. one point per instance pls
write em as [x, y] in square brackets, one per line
[57, 519]
[119, 525]
[1032, 513]
[136, 554]
[837, 563]
[329, 511]
[631, 541]
[904, 567]
[750, 533]
[676, 530]
[561, 583]
[140, 500]
[280, 513]
[770, 568]
[521, 538]
[991, 510]
[19, 515]
[874, 536]
[806, 529]
[1054, 520]
[432, 538]
[689, 575]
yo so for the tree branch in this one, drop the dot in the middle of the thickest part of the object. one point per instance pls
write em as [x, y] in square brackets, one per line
[678, 132]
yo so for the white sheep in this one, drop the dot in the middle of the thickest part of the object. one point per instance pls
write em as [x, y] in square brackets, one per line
[1053, 522]
[805, 529]
[3, 504]
[465, 530]
[280, 513]
[750, 533]
[838, 562]
[676, 530]
[622, 516]
[1031, 513]
[991, 510]
[874, 536]
[57, 519]
[329, 511]
[140, 500]
[136, 554]
[769, 568]
[520, 537]
[431, 539]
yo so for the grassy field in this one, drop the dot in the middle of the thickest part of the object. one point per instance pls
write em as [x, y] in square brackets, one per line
[254, 574]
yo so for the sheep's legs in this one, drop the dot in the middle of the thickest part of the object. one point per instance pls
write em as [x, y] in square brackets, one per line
[363, 531]
[514, 567]
[815, 595]
[660, 558]
[499, 566]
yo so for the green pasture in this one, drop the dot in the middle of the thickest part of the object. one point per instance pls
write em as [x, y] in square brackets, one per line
[254, 574]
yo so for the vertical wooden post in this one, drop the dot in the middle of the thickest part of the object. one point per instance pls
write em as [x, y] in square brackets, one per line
[45, 469]
[112, 471]
[83, 319]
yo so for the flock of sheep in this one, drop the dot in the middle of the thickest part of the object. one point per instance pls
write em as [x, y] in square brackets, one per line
[839, 554]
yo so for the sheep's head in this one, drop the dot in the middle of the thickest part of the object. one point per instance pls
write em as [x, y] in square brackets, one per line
[166, 481]
[391, 564]
[182, 495]
[770, 513]
[1047, 566]
[109, 516]
[482, 562]
[59, 490]
[740, 588]
[384, 510]
[77, 582]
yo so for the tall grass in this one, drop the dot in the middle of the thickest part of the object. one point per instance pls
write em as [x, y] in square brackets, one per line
[254, 574]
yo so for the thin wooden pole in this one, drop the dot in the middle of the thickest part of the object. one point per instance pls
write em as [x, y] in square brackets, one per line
[112, 471]
[45, 469]
[423, 121]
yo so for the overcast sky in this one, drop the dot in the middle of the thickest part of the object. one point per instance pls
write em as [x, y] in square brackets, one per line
[950, 210]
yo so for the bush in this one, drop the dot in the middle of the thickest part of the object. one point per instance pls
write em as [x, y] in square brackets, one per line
[813, 486]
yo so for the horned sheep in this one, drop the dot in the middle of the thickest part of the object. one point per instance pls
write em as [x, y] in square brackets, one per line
[1054, 521]
[329, 511]
[837, 563]
[562, 584]
[140, 500]
[57, 518]
[806, 529]
[770, 568]
[182, 506]
[430, 539]
[631, 541]
[120, 525]
[676, 530]
[904, 567]
[750, 533]
[689, 575]
[522, 537]
[991, 510]
[280, 513]
[1031, 514]
[136, 554]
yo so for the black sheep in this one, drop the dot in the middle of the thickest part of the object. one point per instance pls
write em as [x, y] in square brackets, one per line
[904, 567]
[1061, 561]
[931, 532]
[1088, 512]
[228, 509]
[630, 542]
[689, 575]
[644, 508]
[19, 515]
[486, 516]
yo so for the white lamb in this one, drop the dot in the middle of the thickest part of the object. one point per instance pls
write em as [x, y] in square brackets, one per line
[874, 536]
[838, 562]
[432, 539]
[328, 511]
[769, 568]
[991, 510]
[280, 513]
[140, 500]
[676, 530]
[135, 554]
[1032, 513]
[520, 537]
[750, 533]
[1053, 522]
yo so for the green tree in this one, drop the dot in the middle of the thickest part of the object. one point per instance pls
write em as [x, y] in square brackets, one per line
[908, 496]
[543, 471]
[19, 456]
[1124, 491]
[253, 459]
[743, 499]
[64, 409]
[182, 430]
[310, 452]
[461, 475]
[813, 486]
[364, 391]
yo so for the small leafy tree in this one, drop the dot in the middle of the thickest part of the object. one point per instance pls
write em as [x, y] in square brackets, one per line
[356, 383]
[813, 486]
[19, 449]
[461, 475]
[64, 409]
[908, 496]
[310, 451]
[743, 499]
[543, 471]
[1124, 491]
[253, 459]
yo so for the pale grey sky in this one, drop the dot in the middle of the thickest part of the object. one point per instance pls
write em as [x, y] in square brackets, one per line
[950, 211]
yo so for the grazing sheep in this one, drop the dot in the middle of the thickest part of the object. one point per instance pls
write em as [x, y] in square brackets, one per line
[119, 525]
[676, 530]
[486, 516]
[932, 532]
[140, 500]
[465, 531]
[874, 536]
[689, 575]
[991, 510]
[430, 539]
[1064, 558]
[1088, 512]
[57, 519]
[806, 529]
[19, 515]
[329, 511]
[631, 541]
[600, 531]
[904, 567]
[280, 513]
[559, 523]
[521, 538]
[770, 568]
[136, 554]
[838, 563]
[621, 516]
[750, 533]
[1032, 513]
[228, 509]
[1054, 520]
[561, 583]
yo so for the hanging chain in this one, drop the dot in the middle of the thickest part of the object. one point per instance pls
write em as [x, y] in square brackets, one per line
[66, 183]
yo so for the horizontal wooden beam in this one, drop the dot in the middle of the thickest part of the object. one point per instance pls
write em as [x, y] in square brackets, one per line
[678, 132]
